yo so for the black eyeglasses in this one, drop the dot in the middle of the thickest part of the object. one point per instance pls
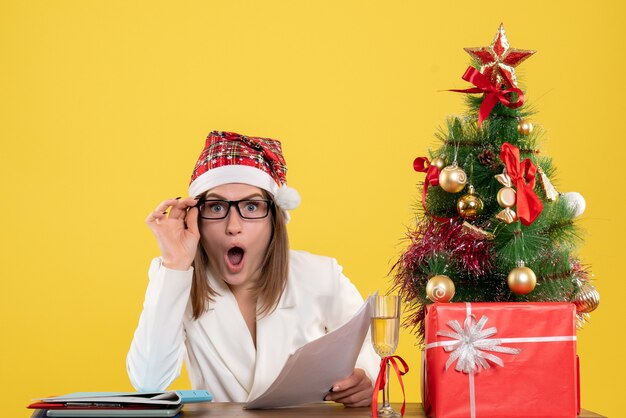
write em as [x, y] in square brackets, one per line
[247, 209]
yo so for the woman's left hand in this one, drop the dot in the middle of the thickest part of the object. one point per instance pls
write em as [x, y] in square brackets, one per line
[355, 390]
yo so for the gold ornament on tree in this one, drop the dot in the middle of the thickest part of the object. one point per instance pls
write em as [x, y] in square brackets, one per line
[587, 299]
[506, 198]
[469, 205]
[452, 178]
[477, 232]
[521, 280]
[551, 192]
[439, 162]
[440, 288]
[524, 127]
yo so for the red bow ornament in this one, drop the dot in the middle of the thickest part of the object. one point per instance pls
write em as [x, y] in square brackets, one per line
[422, 165]
[522, 176]
[493, 94]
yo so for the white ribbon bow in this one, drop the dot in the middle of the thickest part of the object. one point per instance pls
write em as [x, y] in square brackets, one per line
[472, 345]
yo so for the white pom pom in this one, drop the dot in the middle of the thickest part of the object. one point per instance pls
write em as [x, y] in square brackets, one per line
[287, 198]
[576, 202]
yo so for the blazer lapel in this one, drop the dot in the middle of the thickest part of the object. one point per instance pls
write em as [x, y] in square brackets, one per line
[274, 336]
[227, 331]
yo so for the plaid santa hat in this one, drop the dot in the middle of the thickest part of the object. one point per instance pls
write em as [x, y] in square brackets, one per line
[229, 157]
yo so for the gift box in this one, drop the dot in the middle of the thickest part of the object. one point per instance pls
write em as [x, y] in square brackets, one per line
[500, 360]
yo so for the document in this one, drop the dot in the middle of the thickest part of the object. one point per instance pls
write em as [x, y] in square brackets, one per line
[110, 404]
[122, 398]
[310, 371]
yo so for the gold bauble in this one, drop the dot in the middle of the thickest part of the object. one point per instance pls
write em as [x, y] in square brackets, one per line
[587, 298]
[469, 205]
[506, 197]
[439, 162]
[524, 127]
[452, 178]
[440, 288]
[521, 279]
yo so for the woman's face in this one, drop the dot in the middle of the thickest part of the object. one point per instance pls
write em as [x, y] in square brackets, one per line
[236, 247]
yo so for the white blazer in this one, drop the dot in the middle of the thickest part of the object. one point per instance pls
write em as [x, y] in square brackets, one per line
[217, 347]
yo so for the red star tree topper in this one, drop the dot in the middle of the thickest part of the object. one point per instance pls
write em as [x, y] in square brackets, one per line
[499, 60]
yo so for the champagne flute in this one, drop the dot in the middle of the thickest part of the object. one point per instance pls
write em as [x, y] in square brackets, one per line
[385, 332]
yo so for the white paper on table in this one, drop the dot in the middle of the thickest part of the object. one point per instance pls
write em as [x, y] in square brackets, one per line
[311, 370]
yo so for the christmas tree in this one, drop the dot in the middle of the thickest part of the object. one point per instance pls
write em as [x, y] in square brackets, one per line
[491, 226]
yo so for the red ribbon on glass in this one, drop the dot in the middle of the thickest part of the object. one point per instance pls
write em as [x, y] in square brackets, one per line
[522, 175]
[382, 379]
[493, 94]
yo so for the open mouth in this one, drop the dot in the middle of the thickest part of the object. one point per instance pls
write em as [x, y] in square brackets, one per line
[235, 255]
[234, 259]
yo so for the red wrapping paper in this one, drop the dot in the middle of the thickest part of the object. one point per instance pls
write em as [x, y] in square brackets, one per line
[540, 381]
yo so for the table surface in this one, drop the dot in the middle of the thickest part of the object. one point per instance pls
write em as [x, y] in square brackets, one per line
[322, 409]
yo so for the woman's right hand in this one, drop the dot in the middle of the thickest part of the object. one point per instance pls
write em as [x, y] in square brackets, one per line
[176, 233]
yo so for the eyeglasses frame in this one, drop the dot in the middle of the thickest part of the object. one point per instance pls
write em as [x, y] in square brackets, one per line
[235, 203]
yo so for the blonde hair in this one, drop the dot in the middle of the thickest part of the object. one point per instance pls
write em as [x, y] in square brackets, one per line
[272, 280]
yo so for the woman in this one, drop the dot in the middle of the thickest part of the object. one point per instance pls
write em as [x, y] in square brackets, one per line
[227, 294]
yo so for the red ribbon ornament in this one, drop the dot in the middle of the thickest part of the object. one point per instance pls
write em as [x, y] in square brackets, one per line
[381, 380]
[422, 165]
[522, 175]
[493, 94]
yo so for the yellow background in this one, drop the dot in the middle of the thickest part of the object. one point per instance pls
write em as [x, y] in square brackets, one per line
[105, 106]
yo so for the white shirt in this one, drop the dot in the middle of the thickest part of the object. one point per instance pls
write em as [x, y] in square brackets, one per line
[218, 348]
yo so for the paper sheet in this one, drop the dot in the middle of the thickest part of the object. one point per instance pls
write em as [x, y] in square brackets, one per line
[310, 372]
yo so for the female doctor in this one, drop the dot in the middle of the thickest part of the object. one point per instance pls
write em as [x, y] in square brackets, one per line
[227, 295]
